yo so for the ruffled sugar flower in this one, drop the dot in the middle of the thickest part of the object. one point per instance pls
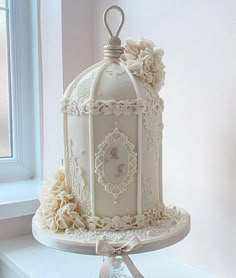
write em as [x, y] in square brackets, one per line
[59, 210]
[144, 60]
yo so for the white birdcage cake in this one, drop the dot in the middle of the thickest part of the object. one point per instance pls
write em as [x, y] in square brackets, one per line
[112, 171]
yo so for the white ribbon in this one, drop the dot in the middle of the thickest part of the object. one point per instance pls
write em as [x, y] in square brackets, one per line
[104, 248]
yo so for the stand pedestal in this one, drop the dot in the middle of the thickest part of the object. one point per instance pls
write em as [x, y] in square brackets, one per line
[168, 232]
[119, 269]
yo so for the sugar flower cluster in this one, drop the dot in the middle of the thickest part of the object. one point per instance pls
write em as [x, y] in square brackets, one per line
[59, 210]
[144, 60]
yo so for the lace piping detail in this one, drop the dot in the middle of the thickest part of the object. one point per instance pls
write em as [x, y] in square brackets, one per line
[171, 219]
[123, 223]
[148, 197]
[79, 186]
[153, 124]
[75, 107]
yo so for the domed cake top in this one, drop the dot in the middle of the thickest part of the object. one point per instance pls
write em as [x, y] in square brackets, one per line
[104, 82]
[127, 81]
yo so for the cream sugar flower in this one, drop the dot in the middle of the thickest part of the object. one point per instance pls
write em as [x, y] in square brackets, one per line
[59, 210]
[144, 60]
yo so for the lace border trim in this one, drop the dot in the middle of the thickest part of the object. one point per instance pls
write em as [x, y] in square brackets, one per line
[75, 107]
[123, 223]
[171, 218]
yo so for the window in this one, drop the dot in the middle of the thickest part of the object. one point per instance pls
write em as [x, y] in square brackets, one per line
[19, 89]
[5, 97]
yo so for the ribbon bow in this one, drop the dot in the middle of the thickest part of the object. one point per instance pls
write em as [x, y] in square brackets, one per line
[104, 248]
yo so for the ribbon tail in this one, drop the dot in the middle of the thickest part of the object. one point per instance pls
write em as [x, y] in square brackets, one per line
[106, 268]
[132, 268]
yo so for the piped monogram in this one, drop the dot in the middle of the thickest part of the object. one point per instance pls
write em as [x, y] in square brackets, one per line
[115, 163]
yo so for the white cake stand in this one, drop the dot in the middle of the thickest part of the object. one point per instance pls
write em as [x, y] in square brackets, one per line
[167, 232]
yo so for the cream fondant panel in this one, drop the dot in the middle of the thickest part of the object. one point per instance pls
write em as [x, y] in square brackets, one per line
[80, 87]
[151, 175]
[106, 203]
[115, 84]
[150, 180]
[125, 204]
[78, 134]
[78, 147]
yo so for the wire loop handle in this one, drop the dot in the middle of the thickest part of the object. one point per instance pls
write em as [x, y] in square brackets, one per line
[114, 38]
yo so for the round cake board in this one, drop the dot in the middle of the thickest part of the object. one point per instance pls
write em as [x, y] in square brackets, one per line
[167, 233]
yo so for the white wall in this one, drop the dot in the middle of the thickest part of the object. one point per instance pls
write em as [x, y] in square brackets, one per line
[77, 38]
[199, 39]
[52, 84]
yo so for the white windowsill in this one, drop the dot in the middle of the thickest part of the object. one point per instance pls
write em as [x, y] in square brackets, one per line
[19, 198]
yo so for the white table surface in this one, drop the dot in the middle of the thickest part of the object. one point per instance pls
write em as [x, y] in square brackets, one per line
[34, 260]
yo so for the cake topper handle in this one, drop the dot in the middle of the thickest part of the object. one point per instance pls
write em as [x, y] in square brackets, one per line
[114, 38]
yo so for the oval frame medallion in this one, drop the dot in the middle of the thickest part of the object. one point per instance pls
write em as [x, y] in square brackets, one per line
[116, 138]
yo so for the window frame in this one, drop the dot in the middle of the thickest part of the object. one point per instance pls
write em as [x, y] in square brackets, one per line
[25, 66]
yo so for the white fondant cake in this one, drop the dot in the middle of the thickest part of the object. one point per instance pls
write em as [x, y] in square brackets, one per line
[112, 177]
